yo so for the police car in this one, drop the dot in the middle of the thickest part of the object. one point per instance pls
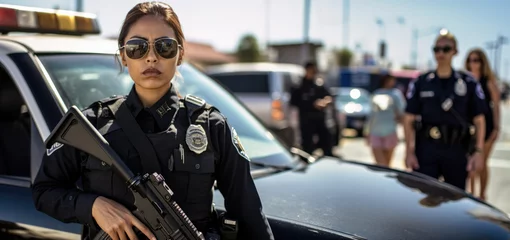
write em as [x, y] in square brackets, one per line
[48, 63]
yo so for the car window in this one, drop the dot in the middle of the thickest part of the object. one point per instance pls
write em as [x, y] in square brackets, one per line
[244, 82]
[84, 78]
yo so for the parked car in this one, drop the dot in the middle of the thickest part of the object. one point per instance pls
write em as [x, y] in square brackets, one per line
[265, 90]
[355, 105]
[41, 76]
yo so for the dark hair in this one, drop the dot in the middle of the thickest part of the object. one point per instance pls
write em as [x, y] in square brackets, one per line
[310, 64]
[153, 8]
[385, 79]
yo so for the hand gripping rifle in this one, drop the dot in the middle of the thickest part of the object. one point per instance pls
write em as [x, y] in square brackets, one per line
[153, 198]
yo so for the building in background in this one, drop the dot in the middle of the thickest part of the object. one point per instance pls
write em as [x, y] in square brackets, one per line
[295, 53]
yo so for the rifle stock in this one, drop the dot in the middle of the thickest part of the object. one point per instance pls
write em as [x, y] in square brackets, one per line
[155, 206]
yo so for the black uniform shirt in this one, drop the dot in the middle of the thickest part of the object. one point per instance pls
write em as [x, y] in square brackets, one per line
[427, 93]
[305, 96]
[55, 192]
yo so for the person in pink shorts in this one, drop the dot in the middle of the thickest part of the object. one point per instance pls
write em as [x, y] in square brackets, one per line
[388, 105]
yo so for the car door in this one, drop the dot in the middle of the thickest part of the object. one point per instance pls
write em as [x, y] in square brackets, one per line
[21, 145]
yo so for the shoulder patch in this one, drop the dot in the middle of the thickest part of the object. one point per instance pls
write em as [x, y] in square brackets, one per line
[479, 91]
[237, 144]
[54, 148]
[411, 89]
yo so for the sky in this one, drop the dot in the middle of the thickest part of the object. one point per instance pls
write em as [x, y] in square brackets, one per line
[221, 23]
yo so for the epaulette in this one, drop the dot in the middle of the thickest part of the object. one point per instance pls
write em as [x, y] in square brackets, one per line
[101, 104]
[193, 103]
[467, 76]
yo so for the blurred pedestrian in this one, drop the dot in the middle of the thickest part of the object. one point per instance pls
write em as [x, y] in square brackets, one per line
[388, 105]
[478, 64]
[442, 107]
[312, 100]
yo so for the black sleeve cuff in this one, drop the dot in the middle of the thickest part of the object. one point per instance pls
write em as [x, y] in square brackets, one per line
[83, 208]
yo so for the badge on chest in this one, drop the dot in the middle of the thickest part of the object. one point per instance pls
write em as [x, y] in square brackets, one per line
[460, 87]
[196, 138]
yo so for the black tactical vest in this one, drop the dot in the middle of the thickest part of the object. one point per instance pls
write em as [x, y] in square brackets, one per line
[187, 171]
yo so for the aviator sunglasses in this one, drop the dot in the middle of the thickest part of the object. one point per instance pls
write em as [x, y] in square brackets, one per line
[137, 48]
[445, 49]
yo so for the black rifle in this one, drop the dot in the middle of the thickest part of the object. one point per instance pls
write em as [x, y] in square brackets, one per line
[153, 198]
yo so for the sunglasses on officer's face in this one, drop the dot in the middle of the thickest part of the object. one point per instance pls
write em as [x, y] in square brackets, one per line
[445, 49]
[137, 48]
[474, 60]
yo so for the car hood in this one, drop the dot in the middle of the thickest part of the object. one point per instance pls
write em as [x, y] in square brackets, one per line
[377, 203]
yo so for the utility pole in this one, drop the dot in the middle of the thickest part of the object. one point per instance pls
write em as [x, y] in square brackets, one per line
[79, 5]
[346, 23]
[414, 43]
[306, 30]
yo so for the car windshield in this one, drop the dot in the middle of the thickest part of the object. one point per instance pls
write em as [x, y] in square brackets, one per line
[84, 78]
[352, 95]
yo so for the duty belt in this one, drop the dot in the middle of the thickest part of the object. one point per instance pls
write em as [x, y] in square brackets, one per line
[447, 134]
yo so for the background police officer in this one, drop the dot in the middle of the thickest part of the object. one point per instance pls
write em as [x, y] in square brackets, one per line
[312, 98]
[445, 103]
[189, 143]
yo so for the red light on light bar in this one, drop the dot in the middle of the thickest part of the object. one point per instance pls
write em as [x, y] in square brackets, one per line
[15, 18]
[8, 17]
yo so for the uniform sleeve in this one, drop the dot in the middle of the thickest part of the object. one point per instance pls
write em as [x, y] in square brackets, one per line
[235, 183]
[476, 99]
[54, 190]
[413, 105]
[294, 97]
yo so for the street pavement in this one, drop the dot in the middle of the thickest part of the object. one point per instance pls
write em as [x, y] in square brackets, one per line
[498, 190]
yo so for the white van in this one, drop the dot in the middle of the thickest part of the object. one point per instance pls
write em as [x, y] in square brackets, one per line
[265, 89]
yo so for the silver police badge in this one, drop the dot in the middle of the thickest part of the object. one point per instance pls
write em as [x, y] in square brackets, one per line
[196, 138]
[460, 87]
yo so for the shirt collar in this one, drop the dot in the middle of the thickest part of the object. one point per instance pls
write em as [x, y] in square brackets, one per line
[161, 111]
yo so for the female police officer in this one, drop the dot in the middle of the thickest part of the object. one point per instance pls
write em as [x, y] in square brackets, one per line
[150, 44]
[447, 103]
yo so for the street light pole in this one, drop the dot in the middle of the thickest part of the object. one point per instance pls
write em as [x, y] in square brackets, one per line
[306, 27]
[416, 35]
[346, 23]
[79, 5]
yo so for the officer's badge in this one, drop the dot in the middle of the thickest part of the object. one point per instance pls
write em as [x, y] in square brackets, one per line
[237, 144]
[54, 148]
[460, 87]
[435, 133]
[196, 138]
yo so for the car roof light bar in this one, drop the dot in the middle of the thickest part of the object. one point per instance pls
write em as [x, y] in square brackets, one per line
[15, 18]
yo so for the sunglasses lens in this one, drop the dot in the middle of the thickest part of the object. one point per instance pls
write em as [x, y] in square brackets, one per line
[166, 48]
[136, 48]
[447, 49]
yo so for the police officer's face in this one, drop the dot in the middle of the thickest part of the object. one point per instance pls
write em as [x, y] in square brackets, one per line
[444, 51]
[152, 71]
[474, 62]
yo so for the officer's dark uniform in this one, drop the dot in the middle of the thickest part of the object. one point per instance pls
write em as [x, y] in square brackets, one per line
[312, 120]
[443, 135]
[190, 175]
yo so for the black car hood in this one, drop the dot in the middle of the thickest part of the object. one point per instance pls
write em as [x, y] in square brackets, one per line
[377, 203]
